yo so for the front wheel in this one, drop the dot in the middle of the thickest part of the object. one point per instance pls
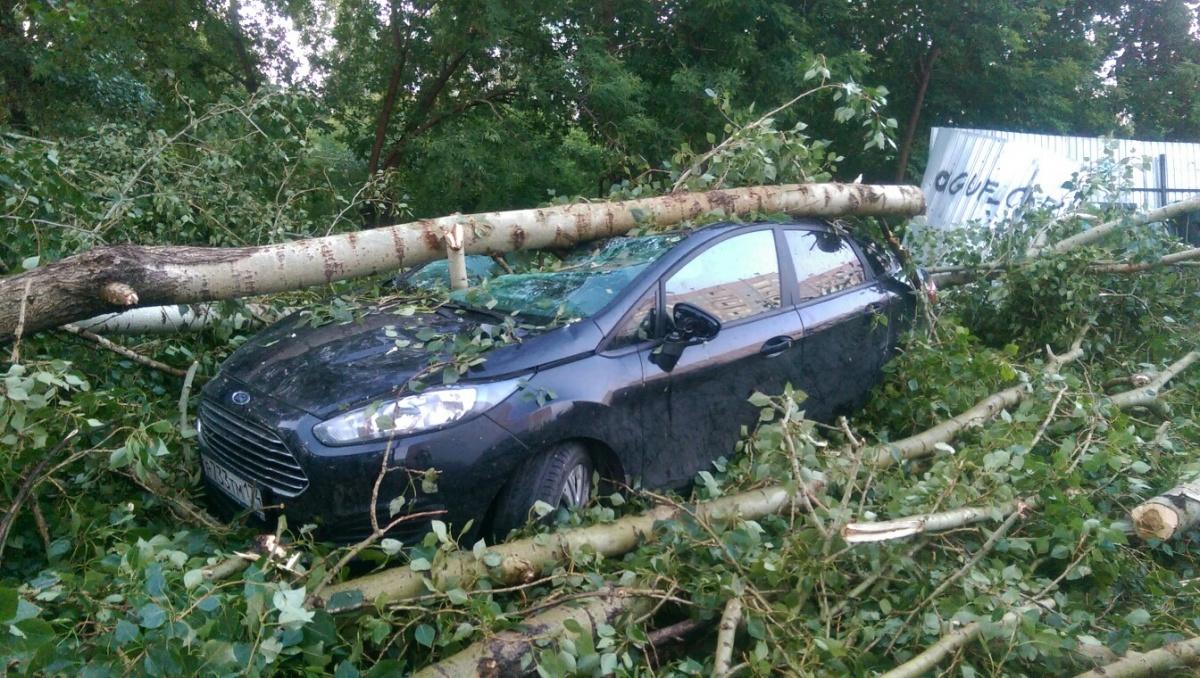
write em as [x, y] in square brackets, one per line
[560, 476]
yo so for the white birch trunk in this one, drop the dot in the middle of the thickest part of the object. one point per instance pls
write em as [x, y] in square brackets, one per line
[117, 278]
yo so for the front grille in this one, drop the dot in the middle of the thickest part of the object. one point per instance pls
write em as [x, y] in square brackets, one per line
[253, 451]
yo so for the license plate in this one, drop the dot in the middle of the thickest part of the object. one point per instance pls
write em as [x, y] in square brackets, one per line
[239, 489]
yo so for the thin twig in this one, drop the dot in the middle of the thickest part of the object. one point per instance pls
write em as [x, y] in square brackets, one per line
[124, 351]
[31, 478]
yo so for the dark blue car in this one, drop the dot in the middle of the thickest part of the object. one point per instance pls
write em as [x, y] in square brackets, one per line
[633, 360]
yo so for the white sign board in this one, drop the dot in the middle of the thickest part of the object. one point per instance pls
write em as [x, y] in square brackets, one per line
[974, 177]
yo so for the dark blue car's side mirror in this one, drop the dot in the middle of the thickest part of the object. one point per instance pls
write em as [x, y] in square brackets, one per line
[691, 325]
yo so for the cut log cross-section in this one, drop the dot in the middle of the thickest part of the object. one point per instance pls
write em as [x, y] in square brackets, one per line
[1170, 514]
[110, 279]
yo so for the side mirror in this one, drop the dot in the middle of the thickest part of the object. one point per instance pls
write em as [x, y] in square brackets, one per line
[692, 326]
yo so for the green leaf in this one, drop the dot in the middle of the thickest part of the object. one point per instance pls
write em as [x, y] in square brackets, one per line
[125, 632]
[193, 578]
[439, 529]
[1138, 617]
[8, 604]
[425, 634]
[419, 565]
[290, 603]
[760, 399]
[152, 616]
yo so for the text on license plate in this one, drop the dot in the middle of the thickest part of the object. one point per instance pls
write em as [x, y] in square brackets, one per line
[241, 490]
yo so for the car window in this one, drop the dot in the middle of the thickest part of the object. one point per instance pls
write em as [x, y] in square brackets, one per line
[824, 262]
[638, 326]
[734, 279]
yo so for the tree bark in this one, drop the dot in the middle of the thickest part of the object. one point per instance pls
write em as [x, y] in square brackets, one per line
[1152, 663]
[524, 559]
[78, 287]
[925, 73]
[726, 637]
[505, 654]
[400, 44]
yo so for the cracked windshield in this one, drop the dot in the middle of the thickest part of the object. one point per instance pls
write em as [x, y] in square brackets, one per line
[577, 286]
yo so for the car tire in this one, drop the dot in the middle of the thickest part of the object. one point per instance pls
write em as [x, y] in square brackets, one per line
[559, 476]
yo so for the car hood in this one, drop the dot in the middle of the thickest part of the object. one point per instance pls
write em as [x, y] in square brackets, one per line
[325, 369]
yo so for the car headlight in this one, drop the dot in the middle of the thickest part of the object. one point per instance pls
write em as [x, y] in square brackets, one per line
[413, 413]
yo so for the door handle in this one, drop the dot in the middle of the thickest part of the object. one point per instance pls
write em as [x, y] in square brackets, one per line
[775, 345]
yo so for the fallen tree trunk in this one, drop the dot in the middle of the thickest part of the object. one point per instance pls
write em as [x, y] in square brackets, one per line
[923, 444]
[1170, 514]
[1153, 663]
[888, 530]
[952, 642]
[524, 559]
[507, 653]
[109, 279]
[1148, 395]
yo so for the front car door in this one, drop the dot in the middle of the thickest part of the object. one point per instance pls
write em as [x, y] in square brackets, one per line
[701, 405]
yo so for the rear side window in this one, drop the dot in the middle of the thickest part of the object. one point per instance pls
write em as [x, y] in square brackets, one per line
[824, 262]
[734, 279]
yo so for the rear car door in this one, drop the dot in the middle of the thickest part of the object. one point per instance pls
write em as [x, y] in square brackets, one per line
[844, 310]
[701, 405]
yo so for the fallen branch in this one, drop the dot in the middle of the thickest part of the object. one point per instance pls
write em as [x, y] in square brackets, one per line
[184, 394]
[993, 539]
[526, 558]
[1170, 514]
[1155, 662]
[726, 636]
[88, 284]
[923, 444]
[506, 653]
[1147, 396]
[1098, 233]
[674, 632]
[124, 351]
[1138, 267]
[888, 530]
[952, 642]
[171, 318]
[182, 506]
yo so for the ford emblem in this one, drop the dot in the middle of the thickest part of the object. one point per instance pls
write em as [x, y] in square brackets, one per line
[240, 398]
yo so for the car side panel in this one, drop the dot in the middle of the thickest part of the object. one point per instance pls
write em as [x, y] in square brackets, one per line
[597, 397]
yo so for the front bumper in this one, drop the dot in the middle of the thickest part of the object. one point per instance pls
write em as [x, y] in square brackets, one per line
[472, 458]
